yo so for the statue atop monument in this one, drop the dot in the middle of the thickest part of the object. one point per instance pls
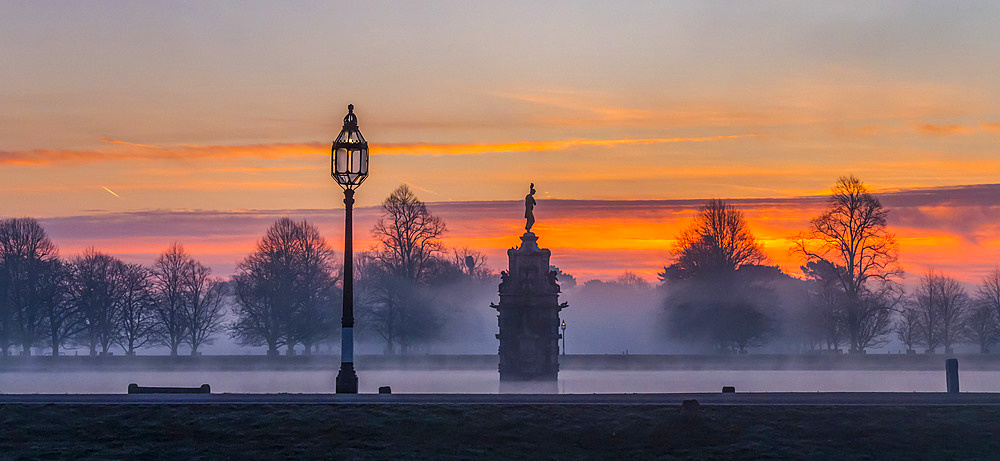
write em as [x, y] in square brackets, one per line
[528, 315]
[529, 205]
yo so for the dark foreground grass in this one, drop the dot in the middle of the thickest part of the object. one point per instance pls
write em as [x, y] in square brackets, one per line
[495, 432]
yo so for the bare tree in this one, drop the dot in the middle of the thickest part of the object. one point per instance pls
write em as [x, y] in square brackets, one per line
[96, 294]
[283, 288]
[875, 313]
[907, 327]
[203, 307]
[988, 293]
[170, 273]
[981, 326]
[827, 302]
[136, 306]
[630, 279]
[954, 309]
[398, 310]
[27, 259]
[472, 262]
[63, 321]
[408, 236]
[925, 303]
[407, 258]
[852, 234]
[942, 304]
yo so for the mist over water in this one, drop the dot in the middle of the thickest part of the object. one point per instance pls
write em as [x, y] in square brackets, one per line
[487, 381]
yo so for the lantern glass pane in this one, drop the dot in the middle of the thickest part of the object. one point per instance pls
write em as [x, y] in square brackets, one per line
[364, 161]
[342, 159]
[355, 161]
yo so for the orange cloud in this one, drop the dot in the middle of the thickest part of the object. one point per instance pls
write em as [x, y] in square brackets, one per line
[126, 151]
[944, 130]
[530, 146]
[991, 127]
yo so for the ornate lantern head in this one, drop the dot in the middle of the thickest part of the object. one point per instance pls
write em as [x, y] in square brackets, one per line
[350, 154]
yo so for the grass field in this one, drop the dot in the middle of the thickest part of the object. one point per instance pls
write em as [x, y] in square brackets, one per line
[496, 432]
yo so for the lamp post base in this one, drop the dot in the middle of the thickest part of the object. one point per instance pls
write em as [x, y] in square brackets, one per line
[347, 379]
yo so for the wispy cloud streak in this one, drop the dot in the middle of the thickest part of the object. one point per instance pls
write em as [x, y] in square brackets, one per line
[123, 151]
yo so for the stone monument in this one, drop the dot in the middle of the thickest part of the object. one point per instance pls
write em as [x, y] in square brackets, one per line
[528, 316]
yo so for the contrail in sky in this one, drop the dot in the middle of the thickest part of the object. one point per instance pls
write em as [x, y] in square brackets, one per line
[111, 192]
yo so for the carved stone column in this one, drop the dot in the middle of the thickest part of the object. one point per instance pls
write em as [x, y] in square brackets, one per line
[528, 317]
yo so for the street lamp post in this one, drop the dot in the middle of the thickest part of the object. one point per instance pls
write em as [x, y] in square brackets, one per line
[564, 336]
[350, 168]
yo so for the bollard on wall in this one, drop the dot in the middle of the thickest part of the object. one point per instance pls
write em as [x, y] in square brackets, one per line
[951, 370]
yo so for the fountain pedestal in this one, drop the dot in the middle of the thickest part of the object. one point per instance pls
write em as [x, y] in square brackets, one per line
[528, 317]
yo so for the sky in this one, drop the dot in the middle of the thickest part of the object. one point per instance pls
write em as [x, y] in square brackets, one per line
[129, 125]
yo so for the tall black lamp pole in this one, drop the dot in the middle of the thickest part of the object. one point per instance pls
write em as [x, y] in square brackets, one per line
[349, 168]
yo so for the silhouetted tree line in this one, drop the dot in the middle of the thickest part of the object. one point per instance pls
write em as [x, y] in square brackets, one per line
[98, 301]
[941, 313]
[719, 293]
[283, 294]
[286, 292]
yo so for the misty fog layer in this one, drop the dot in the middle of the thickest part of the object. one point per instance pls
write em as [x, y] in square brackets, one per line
[485, 381]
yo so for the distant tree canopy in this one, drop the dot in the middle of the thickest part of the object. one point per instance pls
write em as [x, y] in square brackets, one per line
[408, 236]
[286, 290]
[566, 281]
[631, 279]
[717, 242]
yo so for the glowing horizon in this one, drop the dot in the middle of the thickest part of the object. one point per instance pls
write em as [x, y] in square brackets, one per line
[953, 230]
